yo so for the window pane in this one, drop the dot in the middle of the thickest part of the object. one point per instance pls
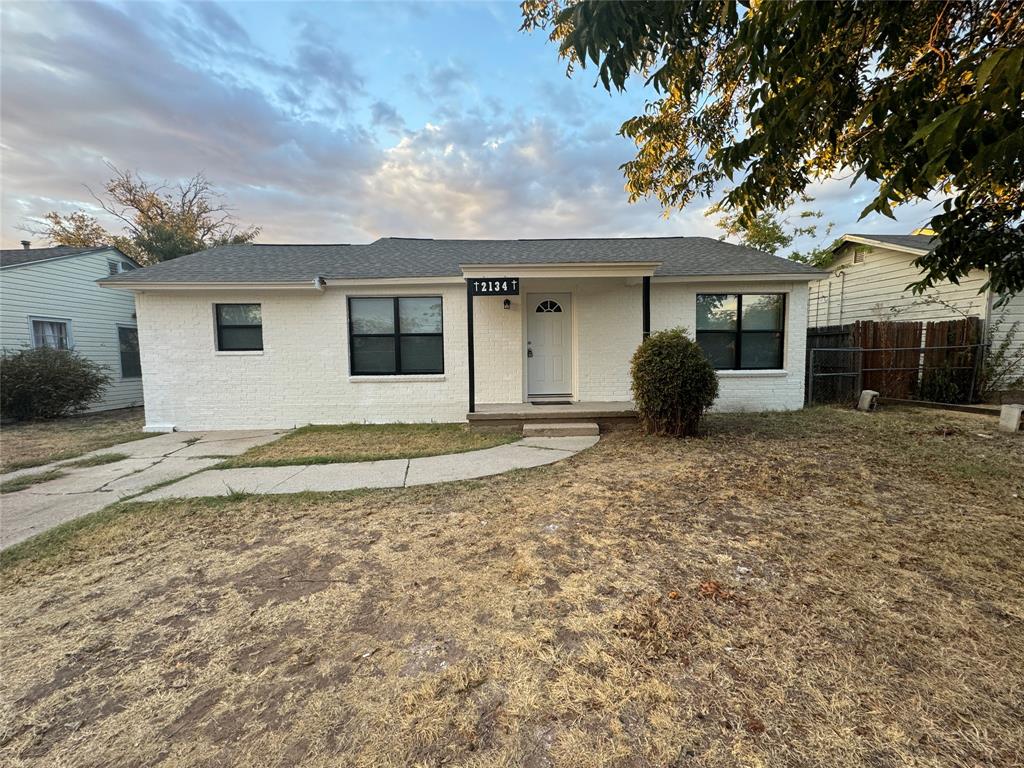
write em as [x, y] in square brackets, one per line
[241, 339]
[422, 354]
[716, 312]
[372, 315]
[761, 350]
[719, 348]
[239, 314]
[416, 315]
[373, 354]
[762, 312]
[50, 334]
[128, 338]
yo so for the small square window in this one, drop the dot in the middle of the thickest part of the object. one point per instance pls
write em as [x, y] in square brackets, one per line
[50, 333]
[239, 327]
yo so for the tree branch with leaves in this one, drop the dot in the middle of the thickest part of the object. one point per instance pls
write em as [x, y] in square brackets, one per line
[923, 98]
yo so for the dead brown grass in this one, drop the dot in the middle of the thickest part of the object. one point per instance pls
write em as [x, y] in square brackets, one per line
[820, 588]
[40, 442]
[326, 444]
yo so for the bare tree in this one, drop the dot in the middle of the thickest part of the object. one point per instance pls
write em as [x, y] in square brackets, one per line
[159, 222]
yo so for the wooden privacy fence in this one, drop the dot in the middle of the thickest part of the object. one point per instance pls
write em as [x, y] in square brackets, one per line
[936, 361]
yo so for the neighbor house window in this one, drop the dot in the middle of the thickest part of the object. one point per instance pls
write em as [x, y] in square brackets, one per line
[128, 341]
[239, 328]
[50, 333]
[395, 335]
[116, 267]
[741, 331]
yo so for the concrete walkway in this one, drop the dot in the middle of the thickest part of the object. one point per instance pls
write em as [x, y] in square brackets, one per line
[394, 473]
[83, 490]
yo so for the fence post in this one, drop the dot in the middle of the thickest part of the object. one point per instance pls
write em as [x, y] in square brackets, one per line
[810, 376]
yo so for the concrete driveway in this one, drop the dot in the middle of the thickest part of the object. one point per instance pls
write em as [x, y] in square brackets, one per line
[83, 490]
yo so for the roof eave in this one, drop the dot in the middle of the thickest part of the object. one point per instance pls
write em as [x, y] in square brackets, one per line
[153, 285]
[880, 244]
[740, 277]
[563, 269]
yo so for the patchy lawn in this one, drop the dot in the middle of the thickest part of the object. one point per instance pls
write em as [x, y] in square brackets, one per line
[41, 442]
[820, 588]
[21, 482]
[329, 444]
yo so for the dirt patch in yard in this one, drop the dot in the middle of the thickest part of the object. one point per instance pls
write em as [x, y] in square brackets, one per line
[34, 443]
[331, 444]
[824, 588]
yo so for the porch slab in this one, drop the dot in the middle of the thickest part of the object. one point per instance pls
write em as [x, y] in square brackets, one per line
[559, 429]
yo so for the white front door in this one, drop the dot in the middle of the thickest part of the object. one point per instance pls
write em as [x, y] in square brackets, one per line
[548, 345]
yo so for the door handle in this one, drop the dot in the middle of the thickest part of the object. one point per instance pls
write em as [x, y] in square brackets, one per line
[529, 349]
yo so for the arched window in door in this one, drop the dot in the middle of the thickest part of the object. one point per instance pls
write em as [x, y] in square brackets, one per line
[549, 306]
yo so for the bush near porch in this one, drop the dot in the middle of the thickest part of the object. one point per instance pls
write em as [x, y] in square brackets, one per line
[823, 587]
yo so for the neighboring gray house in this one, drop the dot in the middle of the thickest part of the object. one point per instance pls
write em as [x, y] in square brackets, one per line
[49, 297]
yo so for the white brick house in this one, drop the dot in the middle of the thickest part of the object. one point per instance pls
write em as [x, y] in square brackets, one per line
[253, 336]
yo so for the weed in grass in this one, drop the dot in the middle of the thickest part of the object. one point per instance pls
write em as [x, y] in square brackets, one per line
[21, 482]
[33, 444]
[97, 460]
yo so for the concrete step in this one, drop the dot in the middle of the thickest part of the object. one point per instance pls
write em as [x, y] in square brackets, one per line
[560, 429]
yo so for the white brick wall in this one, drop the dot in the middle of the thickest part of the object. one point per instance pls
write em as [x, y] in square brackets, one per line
[675, 304]
[302, 375]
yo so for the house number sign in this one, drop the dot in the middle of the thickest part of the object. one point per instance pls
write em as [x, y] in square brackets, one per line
[495, 286]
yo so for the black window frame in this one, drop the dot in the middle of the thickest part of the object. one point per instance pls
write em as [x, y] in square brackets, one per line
[220, 326]
[396, 334]
[120, 350]
[738, 332]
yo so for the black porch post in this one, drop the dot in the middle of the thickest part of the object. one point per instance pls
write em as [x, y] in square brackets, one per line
[647, 307]
[469, 335]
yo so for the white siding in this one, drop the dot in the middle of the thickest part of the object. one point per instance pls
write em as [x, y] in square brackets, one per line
[302, 375]
[876, 289]
[1004, 317]
[65, 289]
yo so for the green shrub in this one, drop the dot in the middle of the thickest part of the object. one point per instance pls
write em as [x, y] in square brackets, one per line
[45, 383]
[673, 383]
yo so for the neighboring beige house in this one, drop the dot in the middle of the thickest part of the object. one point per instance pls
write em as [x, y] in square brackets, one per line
[420, 330]
[868, 281]
[49, 297]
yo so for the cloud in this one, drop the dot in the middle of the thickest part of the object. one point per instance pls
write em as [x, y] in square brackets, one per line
[385, 115]
[304, 141]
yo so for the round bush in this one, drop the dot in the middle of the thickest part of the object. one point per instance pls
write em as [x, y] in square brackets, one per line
[673, 383]
[45, 383]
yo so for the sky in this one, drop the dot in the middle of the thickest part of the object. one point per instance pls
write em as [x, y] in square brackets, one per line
[333, 122]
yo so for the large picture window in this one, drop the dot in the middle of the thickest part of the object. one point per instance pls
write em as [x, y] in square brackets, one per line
[742, 331]
[239, 328]
[395, 335]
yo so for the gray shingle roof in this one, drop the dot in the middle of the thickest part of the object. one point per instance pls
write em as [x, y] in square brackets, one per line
[920, 242]
[12, 257]
[400, 257]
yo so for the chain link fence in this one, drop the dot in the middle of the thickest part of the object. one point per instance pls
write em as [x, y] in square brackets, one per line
[938, 374]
